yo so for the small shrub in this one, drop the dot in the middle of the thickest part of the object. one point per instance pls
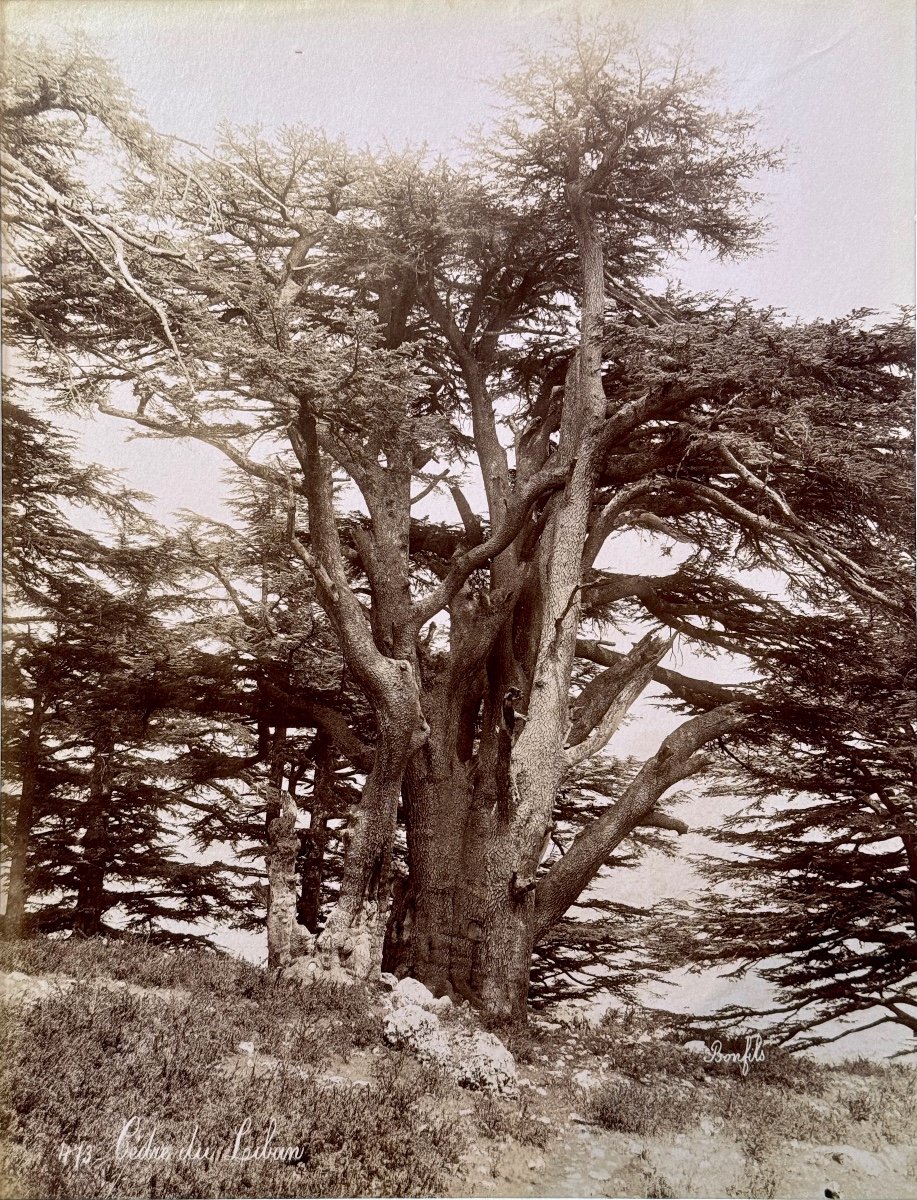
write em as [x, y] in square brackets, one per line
[510, 1119]
[632, 1046]
[781, 1068]
[753, 1106]
[887, 1102]
[627, 1107]
[659, 1188]
[858, 1066]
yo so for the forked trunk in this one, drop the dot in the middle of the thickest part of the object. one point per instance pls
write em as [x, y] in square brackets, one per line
[349, 948]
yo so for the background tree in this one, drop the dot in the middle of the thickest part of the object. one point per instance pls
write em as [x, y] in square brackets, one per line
[816, 886]
[291, 702]
[100, 690]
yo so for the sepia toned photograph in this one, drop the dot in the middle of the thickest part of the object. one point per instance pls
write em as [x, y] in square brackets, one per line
[459, 679]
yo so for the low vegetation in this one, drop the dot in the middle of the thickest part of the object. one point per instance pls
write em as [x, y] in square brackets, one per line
[238, 1086]
[657, 1087]
[81, 1064]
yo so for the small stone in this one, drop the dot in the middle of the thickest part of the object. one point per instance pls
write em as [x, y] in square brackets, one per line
[585, 1080]
[485, 1063]
[246, 1047]
[600, 1176]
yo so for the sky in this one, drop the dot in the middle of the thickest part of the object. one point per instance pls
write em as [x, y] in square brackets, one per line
[833, 81]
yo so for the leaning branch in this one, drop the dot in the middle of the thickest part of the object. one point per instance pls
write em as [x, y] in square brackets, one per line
[701, 693]
[676, 759]
[605, 700]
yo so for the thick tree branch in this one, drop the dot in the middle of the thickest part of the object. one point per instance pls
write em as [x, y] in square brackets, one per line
[656, 820]
[548, 480]
[702, 693]
[605, 701]
[676, 759]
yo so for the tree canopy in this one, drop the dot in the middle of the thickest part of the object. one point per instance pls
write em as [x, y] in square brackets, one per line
[364, 333]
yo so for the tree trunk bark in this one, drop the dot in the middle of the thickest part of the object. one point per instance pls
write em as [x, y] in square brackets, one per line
[424, 926]
[437, 926]
[283, 845]
[90, 897]
[17, 888]
[313, 842]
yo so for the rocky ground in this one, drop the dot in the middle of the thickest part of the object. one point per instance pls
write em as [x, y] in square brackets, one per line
[571, 1109]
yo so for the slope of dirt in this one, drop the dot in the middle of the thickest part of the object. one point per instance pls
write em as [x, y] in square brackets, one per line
[751, 1154]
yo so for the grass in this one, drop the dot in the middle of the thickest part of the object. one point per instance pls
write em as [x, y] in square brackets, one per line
[132, 960]
[80, 1064]
[632, 1045]
[786, 1095]
[628, 1107]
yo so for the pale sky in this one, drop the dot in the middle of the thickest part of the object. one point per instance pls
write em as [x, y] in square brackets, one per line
[833, 79]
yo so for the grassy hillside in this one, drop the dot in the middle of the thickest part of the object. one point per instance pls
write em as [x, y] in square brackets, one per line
[239, 1087]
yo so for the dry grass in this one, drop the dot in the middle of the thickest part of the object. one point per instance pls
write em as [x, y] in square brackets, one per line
[78, 1065]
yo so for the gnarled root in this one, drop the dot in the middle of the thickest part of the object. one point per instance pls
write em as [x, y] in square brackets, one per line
[348, 950]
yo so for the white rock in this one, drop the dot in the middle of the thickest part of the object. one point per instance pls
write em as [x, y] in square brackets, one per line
[568, 1015]
[586, 1080]
[412, 991]
[600, 1176]
[695, 1047]
[387, 981]
[485, 1063]
[411, 1027]
[246, 1047]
